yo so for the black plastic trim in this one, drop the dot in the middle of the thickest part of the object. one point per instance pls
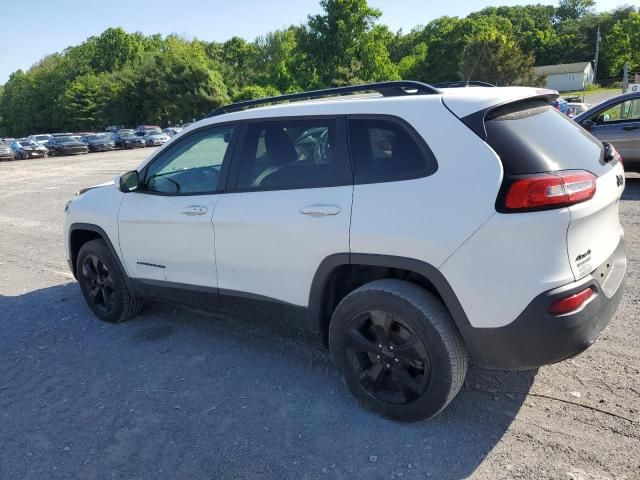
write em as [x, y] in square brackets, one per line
[177, 292]
[429, 272]
[533, 339]
[96, 229]
[387, 89]
[537, 338]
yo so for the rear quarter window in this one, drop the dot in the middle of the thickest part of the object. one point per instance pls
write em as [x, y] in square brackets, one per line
[385, 150]
[533, 137]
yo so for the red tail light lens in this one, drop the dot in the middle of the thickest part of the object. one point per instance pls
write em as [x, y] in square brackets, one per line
[550, 190]
[571, 303]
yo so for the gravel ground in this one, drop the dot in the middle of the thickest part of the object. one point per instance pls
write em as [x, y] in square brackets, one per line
[180, 393]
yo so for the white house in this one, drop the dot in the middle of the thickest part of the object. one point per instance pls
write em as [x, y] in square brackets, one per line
[567, 77]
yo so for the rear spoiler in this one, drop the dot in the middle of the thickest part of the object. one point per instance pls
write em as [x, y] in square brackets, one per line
[476, 121]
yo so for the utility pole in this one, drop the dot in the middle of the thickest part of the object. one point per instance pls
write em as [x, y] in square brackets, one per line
[625, 77]
[595, 63]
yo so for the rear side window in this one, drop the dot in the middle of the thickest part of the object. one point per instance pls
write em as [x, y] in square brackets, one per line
[533, 137]
[384, 150]
[286, 154]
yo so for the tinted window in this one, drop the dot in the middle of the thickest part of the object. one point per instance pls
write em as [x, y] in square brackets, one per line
[533, 137]
[622, 112]
[383, 150]
[289, 154]
[191, 166]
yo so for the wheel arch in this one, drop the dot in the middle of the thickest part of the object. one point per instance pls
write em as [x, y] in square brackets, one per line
[340, 274]
[81, 233]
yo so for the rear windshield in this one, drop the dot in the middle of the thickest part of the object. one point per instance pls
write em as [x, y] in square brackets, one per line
[533, 137]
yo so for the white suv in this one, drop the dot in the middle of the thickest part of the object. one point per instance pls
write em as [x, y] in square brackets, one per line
[411, 228]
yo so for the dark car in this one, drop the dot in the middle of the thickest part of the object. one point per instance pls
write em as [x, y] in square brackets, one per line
[99, 142]
[617, 121]
[6, 153]
[128, 139]
[66, 145]
[24, 149]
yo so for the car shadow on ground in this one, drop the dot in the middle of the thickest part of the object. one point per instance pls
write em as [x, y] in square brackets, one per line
[631, 189]
[185, 392]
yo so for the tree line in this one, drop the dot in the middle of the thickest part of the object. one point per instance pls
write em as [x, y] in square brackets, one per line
[129, 78]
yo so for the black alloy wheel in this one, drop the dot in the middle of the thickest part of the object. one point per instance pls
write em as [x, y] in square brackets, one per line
[101, 287]
[397, 350]
[103, 283]
[391, 361]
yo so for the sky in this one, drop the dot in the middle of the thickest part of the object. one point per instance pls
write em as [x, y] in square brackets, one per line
[32, 29]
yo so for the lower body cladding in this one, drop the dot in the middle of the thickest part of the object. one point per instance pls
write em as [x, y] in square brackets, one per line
[538, 337]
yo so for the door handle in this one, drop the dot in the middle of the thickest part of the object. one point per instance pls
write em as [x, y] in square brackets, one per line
[193, 210]
[320, 210]
[631, 127]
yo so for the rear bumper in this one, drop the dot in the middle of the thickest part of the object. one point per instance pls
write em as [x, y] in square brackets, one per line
[538, 338]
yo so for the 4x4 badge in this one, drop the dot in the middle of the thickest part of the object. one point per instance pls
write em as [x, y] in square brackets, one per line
[620, 180]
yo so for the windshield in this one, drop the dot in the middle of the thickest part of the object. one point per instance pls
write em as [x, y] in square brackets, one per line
[127, 134]
[156, 132]
[41, 138]
[26, 144]
[92, 138]
[66, 140]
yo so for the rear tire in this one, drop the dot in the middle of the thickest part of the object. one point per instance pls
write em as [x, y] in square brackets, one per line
[397, 350]
[103, 284]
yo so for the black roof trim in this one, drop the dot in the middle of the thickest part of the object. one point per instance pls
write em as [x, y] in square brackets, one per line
[386, 89]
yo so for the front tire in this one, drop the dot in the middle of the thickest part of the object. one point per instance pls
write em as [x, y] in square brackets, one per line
[397, 350]
[103, 284]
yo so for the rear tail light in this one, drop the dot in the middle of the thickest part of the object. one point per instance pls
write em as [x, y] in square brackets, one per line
[571, 303]
[550, 190]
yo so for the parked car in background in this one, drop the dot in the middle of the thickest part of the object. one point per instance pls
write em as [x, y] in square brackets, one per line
[617, 121]
[99, 142]
[172, 131]
[40, 138]
[66, 145]
[142, 129]
[68, 134]
[128, 139]
[154, 138]
[576, 108]
[25, 149]
[6, 152]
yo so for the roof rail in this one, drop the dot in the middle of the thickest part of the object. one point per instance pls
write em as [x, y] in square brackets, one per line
[463, 84]
[386, 89]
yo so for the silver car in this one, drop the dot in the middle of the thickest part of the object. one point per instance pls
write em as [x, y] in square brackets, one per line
[617, 121]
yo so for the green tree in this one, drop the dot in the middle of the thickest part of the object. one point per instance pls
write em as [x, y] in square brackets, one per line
[342, 44]
[491, 53]
[622, 45]
[574, 9]
[251, 92]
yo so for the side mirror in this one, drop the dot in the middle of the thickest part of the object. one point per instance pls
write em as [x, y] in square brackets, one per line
[129, 182]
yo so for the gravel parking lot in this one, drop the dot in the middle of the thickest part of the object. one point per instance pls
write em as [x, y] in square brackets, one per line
[180, 393]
